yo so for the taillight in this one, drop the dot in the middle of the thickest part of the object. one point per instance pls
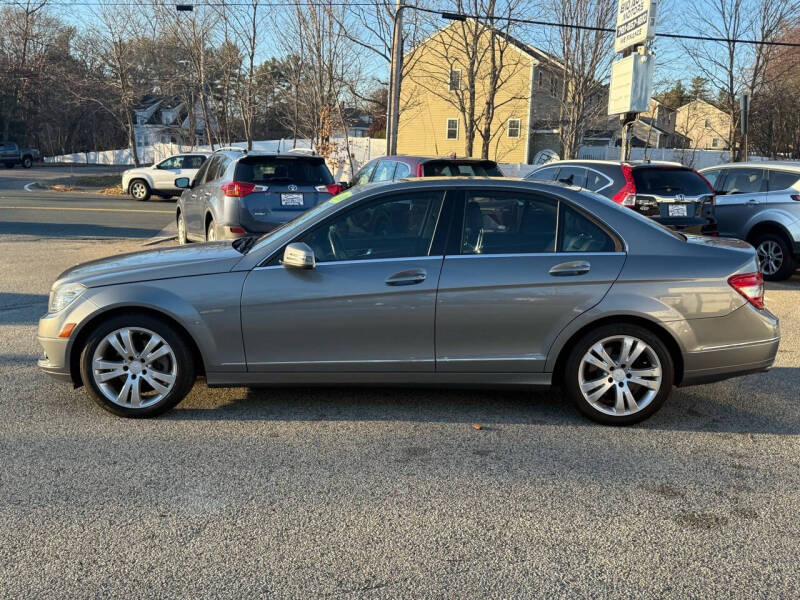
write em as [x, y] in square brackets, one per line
[795, 197]
[420, 172]
[237, 189]
[627, 195]
[330, 188]
[751, 286]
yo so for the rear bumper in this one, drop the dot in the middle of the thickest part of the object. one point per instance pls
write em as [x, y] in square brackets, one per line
[716, 364]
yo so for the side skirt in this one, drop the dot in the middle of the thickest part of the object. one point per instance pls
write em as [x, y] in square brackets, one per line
[470, 380]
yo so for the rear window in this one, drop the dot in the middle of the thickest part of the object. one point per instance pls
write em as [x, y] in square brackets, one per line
[455, 169]
[667, 181]
[270, 169]
[781, 180]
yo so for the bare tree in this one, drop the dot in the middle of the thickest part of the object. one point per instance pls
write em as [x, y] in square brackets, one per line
[585, 60]
[732, 67]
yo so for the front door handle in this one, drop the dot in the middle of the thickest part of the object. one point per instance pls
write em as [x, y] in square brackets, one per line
[575, 267]
[412, 277]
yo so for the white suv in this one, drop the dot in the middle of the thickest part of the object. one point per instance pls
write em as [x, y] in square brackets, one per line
[159, 179]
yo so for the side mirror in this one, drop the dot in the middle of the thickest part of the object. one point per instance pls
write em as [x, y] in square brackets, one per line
[345, 184]
[299, 256]
[182, 183]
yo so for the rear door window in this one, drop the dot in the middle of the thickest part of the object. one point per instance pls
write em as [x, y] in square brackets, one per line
[782, 180]
[545, 174]
[365, 173]
[668, 181]
[193, 162]
[745, 181]
[578, 233]
[595, 180]
[508, 223]
[263, 170]
[403, 170]
[571, 175]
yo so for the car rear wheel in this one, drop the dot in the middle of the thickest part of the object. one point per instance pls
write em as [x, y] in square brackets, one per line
[211, 231]
[136, 366]
[182, 239]
[27, 162]
[139, 190]
[775, 257]
[619, 374]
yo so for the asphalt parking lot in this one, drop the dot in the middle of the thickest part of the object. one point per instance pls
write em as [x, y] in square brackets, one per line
[375, 493]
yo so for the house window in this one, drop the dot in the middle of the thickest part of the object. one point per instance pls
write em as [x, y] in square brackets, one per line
[714, 142]
[452, 129]
[514, 125]
[455, 80]
[553, 86]
[708, 124]
[539, 77]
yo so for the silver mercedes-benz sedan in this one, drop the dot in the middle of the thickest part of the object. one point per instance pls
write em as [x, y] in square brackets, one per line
[434, 282]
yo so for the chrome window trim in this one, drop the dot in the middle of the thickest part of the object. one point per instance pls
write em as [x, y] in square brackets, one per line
[522, 254]
[362, 261]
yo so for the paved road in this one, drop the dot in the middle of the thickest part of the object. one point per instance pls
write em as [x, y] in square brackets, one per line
[59, 214]
[363, 493]
[17, 178]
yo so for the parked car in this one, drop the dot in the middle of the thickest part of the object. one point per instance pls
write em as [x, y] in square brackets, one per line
[11, 155]
[389, 168]
[760, 203]
[238, 193]
[159, 179]
[670, 193]
[517, 283]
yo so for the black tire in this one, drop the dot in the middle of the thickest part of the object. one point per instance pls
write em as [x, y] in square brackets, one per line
[181, 224]
[139, 190]
[211, 231]
[788, 263]
[571, 372]
[185, 375]
[27, 163]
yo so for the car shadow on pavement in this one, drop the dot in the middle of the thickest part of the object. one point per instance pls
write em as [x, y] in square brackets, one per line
[19, 309]
[77, 230]
[756, 404]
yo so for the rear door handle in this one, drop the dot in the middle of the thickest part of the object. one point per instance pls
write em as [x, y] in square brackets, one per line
[412, 277]
[575, 267]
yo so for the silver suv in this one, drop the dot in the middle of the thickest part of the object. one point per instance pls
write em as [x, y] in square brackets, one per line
[760, 203]
[238, 193]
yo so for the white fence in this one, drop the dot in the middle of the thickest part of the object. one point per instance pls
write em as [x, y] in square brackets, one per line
[361, 151]
[699, 159]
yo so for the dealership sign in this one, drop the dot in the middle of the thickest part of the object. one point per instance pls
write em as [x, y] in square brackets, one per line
[630, 87]
[636, 23]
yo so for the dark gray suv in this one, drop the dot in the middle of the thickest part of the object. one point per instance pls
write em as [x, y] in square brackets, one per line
[238, 193]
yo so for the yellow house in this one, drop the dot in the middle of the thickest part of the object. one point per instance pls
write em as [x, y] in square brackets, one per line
[704, 124]
[436, 95]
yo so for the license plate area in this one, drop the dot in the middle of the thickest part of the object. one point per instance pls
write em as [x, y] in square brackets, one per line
[291, 199]
[677, 210]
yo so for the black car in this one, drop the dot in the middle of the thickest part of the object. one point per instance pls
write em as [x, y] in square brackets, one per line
[670, 193]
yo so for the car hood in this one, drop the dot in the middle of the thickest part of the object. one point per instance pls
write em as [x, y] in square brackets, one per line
[183, 261]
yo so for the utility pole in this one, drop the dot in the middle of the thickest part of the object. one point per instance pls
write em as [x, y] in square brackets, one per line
[745, 106]
[393, 112]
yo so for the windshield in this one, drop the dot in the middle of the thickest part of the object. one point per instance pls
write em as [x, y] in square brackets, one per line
[296, 223]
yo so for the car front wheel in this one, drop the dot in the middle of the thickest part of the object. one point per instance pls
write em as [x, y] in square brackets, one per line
[136, 366]
[774, 257]
[211, 231]
[619, 374]
[27, 163]
[139, 190]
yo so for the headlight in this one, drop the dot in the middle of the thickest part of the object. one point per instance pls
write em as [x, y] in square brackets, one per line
[63, 295]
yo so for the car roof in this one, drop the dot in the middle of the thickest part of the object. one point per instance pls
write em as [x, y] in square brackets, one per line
[457, 159]
[773, 164]
[615, 163]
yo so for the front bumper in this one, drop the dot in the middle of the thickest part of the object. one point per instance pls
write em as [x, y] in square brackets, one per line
[55, 358]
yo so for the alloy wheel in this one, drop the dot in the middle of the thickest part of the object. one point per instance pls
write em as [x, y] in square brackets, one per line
[770, 257]
[138, 190]
[134, 367]
[620, 375]
[211, 234]
[181, 230]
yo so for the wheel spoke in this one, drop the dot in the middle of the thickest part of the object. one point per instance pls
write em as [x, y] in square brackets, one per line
[127, 342]
[635, 354]
[167, 378]
[632, 405]
[599, 392]
[122, 397]
[619, 405]
[601, 352]
[593, 360]
[106, 365]
[648, 383]
[161, 389]
[109, 375]
[627, 345]
[136, 398]
[115, 343]
[151, 345]
[163, 350]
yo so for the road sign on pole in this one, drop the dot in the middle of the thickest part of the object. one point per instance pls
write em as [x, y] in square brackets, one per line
[630, 88]
[636, 23]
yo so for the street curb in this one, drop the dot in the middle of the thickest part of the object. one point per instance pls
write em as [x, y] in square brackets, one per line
[168, 233]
